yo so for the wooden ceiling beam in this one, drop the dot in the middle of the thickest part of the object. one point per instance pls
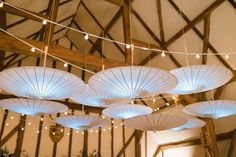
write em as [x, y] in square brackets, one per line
[11, 44]
[115, 2]
[11, 10]
[160, 19]
[206, 36]
[126, 12]
[197, 19]
[3, 25]
[100, 25]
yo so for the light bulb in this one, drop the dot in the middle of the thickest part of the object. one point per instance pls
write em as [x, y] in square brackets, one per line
[82, 133]
[77, 131]
[121, 124]
[227, 56]
[53, 133]
[197, 56]
[112, 121]
[1, 4]
[155, 110]
[65, 64]
[7, 124]
[104, 129]
[62, 130]
[44, 22]
[65, 113]
[86, 37]
[109, 128]
[154, 100]
[163, 54]
[68, 134]
[12, 117]
[128, 46]
[167, 104]
[116, 127]
[158, 109]
[45, 127]
[96, 131]
[22, 129]
[103, 117]
[132, 102]
[41, 119]
[37, 132]
[32, 49]
[91, 131]
[29, 123]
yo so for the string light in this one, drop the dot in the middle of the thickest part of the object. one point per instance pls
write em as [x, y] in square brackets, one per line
[112, 121]
[227, 56]
[32, 49]
[3, 109]
[91, 131]
[65, 64]
[103, 117]
[22, 114]
[1, 4]
[66, 113]
[104, 129]
[163, 54]
[132, 102]
[154, 100]
[68, 134]
[38, 132]
[29, 123]
[173, 97]
[86, 37]
[41, 119]
[158, 109]
[7, 124]
[116, 127]
[62, 130]
[77, 131]
[109, 128]
[167, 104]
[22, 129]
[45, 127]
[121, 124]
[197, 56]
[96, 131]
[53, 133]
[128, 46]
[82, 133]
[12, 117]
[155, 110]
[44, 22]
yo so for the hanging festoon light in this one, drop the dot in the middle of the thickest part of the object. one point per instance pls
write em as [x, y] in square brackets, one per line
[124, 111]
[212, 109]
[132, 81]
[97, 99]
[200, 78]
[40, 82]
[192, 123]
[82, 122]
[32, 107]
[155, 122]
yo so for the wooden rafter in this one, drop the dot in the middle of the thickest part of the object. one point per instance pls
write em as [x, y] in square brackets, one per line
[9, 43]
[101, 27]
[161, 27]
[207, 20]
[126, 12]
[106, 30]
[11, 10]
[232, 147]
[190, 142]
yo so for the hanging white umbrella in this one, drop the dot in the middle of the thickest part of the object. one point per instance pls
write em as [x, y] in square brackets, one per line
[32, 106]
[40, 82]
[132, 81]
[155, 122]
[97, 99]
[199, 78]
[192, 123]
[124, 111]
[212, 109]
[82, 122]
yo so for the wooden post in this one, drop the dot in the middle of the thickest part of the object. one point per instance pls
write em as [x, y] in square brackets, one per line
[39, 136]
[138, 137]
[20, 136]
[85, 146]
[208, 132]
[232, 148]
[70, 139]
[112, 137]
[123, 137]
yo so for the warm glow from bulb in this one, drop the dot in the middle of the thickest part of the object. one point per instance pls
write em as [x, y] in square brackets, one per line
[197, 56]
[32, 49]
[1, 4]
[86, 37]
[65, 64]
[163, 54]
[227, 56]
[44, 22]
